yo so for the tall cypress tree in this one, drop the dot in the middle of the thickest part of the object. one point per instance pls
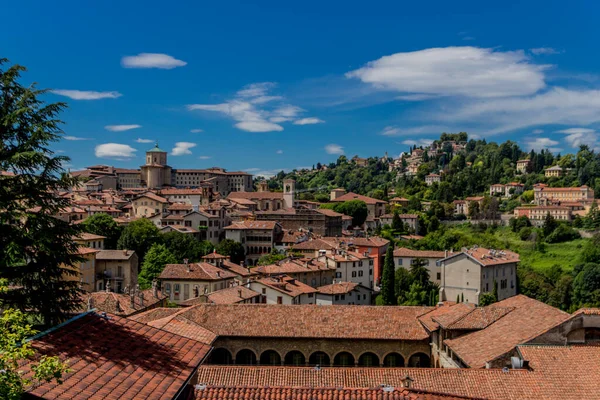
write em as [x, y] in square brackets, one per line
[35, 246]
[387, 280]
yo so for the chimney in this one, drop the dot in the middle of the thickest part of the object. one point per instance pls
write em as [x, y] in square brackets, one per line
[131, 300]
[124, 252]
[219, 274]
[445, 253]
[155, 289]
[141, 299]
[187, 265]
[90, 303]
[407, 381]
[240, 293]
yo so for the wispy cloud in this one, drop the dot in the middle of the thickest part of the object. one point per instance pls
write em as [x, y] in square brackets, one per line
[537, 131]
[152, 60]
[544, 51]
[540, 143]
[140, 140]
[576, 137]
[196, 130]
[457, 71]
[417, 97]
[86, 94]
[308, 121]
[114, 150]
[121, 128]
[75, 138]
[204, 157]
[254, 110]
[418, 142]
[334, 149]
[182, 148]
[279, 152]
[394, 130]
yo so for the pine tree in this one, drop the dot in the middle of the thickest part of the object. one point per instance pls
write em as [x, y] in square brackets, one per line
[387, 279]
[462, 297]
[457, 298]
[36, 248]
[495, 291]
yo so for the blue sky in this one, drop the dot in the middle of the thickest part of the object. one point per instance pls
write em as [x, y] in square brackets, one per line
[265, 86]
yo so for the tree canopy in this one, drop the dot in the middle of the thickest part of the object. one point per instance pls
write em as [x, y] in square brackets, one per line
[154, 263]
[104, 225]
[139, 235]
[233, 249]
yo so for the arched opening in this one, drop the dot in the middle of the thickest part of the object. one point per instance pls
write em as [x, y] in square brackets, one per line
[270, 357]
[319, 358]
[393, 360]
[295, 358]
[592, 335]
[368, 360]
[343, 359]
[245, 357]
[221, 356]
[419, 360]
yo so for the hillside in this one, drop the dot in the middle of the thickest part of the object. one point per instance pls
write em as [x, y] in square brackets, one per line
[467, 168]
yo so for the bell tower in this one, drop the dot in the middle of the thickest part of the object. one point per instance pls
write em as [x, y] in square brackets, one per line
[289, 192]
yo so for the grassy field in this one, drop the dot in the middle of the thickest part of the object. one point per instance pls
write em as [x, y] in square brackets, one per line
[564, 254]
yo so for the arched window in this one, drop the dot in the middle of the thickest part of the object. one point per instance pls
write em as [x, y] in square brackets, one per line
[368, 360]
[270, 357]
[220, 356]
[393, 360]
[419, 360]
[295, 358]
[245, 357]
[343, 359]
[319, 358]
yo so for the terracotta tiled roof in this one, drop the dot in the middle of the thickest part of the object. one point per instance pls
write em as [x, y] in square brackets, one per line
[88, 236]
[446, 312]
[338, 288]
[174, 191]
[238, 269]
[479, 318]
[154, 197]
[314, 244]
[120, 303]
[234, 392]
[154, 314]
[180, 206]
[486, 257]
[256, 195]
[201, 271]
[290, 266]
[328, 212]
[252, 225]
[587, 311]
[232, 295]
[86, 250]
[286, 285]
[354, 196]
[116, 357]
[115, 255]
[214, 256]
[477, 383]
[372, 241]
[404, 252]
[528, 319]
[309, 321]
[413, 237]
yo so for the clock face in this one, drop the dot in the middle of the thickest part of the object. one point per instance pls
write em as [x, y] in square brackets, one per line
[287, 188]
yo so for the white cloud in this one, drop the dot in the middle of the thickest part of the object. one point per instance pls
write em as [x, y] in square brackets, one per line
[121, 128]
[252, 169]
[393, 130]
[418, 142]
[252, 110]
[114, 150]
[556, 106]
[544, 50]
[182, 148]
[308, 121]
[196, 130]
[334, 149]
[152, 60]
[139, 140]
[279, 152]
[86, 94]
[75, 138]
[537, 131]
[204, 157]
[461, 71]
[59, 151]
[539, 144]
[417, 97]
[580, 136]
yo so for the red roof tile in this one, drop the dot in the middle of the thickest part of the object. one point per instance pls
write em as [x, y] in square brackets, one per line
[527, 320]
[116, 357]
[121, 304]
[404, 252]
[232, 295]
[252, 225]
[201, 271]
[354, 196]
[286, 285]
[445, 312]
[338, 288]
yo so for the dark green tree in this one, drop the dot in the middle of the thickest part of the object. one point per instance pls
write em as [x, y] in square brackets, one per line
[586, 286]
[387, 278]
[591, 250]
[416, 296]
[233, 249]
[419, 273]
[139, 235]
[397, 224]
[184, 246]
[402, 281]
[157, 257]
[104, 225]
[357, 209]
[272, 258]
[486, 299]
[36, 248]
[549, 226]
